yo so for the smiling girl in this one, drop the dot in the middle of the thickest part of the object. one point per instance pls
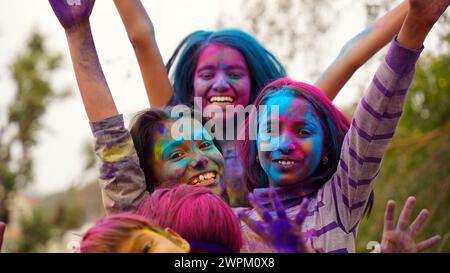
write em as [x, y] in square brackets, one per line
[137, 162]
[315, 153]
[229, 67]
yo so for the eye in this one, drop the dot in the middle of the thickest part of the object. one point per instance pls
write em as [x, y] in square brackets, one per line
[207, 75]
[205, 145]
[147, 248]
[304, 132]
[235, 75]
[175, 155]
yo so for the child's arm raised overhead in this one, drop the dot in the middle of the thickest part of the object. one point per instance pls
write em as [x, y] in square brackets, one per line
[377, 115]
[360, 49]
[121, 180]
[92, 84]
[142, 36]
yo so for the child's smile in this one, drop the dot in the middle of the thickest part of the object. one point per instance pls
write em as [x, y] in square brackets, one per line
[297, 139]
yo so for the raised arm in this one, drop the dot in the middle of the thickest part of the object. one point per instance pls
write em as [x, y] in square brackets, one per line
[121, 180]
[378, 113]
[74, 17]
[360, 49]
[142, 36]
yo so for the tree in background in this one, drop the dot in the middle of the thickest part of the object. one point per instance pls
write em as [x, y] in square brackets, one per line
[417, 162]
[418, 159]
[281, 25]
[31, 72]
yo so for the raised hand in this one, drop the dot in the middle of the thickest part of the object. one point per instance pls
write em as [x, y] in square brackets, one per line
[2, 232]
[427, 11]
[422, 15]
[400, 238]
[72, 13]
[282, 233]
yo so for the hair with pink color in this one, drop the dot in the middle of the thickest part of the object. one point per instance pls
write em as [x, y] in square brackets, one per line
[110, 232]
[197, 214]
[334, 123]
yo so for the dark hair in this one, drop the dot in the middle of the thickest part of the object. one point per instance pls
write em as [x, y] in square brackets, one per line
[263, 66]
[144, 126]
[334, 123]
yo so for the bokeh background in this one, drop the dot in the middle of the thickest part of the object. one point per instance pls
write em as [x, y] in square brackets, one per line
[48, 189]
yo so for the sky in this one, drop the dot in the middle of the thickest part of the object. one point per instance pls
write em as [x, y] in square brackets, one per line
[59, 156]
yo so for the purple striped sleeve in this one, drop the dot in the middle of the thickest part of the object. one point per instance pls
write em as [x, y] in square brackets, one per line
[372, 127]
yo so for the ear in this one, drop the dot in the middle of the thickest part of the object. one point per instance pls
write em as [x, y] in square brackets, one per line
[178, 239]
[324, 157]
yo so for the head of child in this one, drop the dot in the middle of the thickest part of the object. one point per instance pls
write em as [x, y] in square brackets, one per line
[225, 68]
[129, 233]
[302, 146]
[168, 159]
[198, 215]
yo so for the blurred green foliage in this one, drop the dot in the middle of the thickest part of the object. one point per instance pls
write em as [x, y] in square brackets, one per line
[31, 72]
[418, 160]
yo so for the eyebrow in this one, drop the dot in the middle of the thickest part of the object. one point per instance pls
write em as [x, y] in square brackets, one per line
[171, 145]
[299, 120]
[227, 67]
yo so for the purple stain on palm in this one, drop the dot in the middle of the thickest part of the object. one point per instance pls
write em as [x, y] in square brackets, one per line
[72, 12]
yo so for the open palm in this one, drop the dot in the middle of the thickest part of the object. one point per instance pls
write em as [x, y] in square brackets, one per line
[400, 238]
[281, 232]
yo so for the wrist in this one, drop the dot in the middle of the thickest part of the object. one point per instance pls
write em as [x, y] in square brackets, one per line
[413, 34]
[78, 27]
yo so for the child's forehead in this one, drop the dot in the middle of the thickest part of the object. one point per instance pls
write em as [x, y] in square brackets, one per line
[217, 52]
[289, 105]
[169, 131]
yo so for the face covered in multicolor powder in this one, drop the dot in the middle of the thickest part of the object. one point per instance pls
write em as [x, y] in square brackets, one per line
[222, 78]
[297, 144]
[194, 161]
[154, 241]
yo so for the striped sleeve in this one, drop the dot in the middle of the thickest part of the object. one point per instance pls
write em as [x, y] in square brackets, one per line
[122, 181]
[372, 128]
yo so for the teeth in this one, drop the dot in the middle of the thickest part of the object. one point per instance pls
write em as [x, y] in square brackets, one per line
[286, 162]
[203, 177]
[221, 99]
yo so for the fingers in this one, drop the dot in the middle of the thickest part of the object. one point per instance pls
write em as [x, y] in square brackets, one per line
[278, 207]
[262, 212]
[303, 211]
[389, 216]
[418, 222]
[403, 220]
[253, 224]
[422, 246]
[2, 232]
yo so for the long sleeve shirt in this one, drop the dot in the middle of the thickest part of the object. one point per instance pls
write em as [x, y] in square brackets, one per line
[337, 207]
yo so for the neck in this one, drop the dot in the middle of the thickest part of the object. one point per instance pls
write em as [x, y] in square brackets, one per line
[290, 195]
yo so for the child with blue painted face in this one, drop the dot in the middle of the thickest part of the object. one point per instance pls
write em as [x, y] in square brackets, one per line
[136, 162]
[229, 67]
[310, 150]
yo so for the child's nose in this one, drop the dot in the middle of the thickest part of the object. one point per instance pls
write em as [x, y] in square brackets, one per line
[286, 144]
[221, 84]
[198, 161]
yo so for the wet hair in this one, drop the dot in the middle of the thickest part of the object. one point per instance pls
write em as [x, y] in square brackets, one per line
[110, 232]
[197, 214]
[143, 132]
[334, 123]
[263, 66]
